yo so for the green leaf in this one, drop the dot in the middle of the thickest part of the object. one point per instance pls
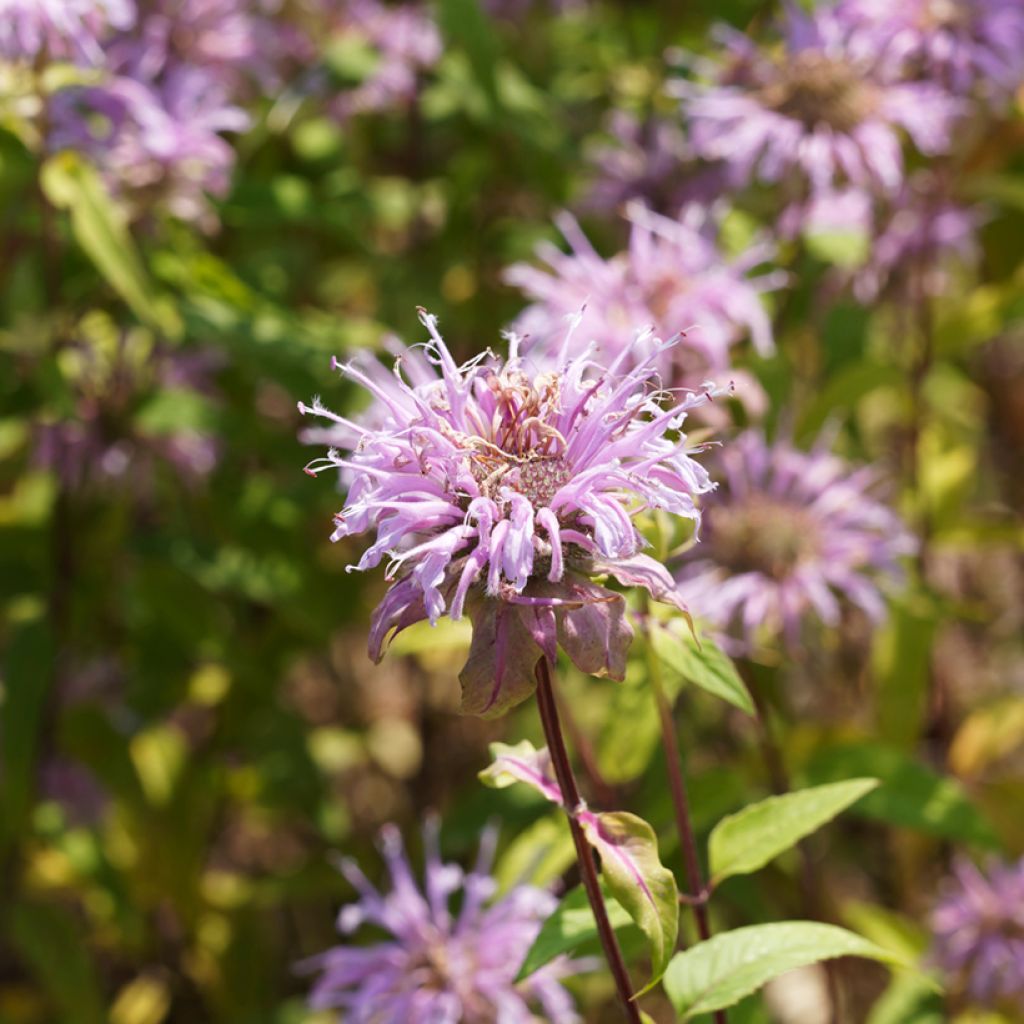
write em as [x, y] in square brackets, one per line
[636, 878]
[744, 842]
[911, 794]
[704, 665]
[630, 731]
[570, 926]
[100, 229]
[718, 973]
[50, 941]
[465, 24]
[521, 762]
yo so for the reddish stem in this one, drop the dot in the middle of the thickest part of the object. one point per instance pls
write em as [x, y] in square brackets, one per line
[584, 854]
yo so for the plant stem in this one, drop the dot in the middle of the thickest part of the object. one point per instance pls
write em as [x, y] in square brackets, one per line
[696, 898]
[584, 854]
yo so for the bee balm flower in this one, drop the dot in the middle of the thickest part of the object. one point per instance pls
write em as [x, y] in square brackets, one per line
[978, 930]
[501, 493]
[789, 534]
[828, 107]
[437, 966]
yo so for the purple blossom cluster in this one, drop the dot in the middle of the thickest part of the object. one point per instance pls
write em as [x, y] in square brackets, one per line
[672, 278]
[155, 124]
[787, 536]
[501, 492]
[827, 108]
[978, 934]
[404, 41]
[66, 30]
[966, 45]
[438, 965]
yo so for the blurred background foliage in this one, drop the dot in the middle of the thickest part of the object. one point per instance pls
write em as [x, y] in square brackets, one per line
[190, 723]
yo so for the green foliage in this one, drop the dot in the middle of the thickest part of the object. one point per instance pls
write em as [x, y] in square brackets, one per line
[570, 929]
[636, 878]
[744, 842]
[701, 662]
[718, 973]
[910, 795]
[100, 229]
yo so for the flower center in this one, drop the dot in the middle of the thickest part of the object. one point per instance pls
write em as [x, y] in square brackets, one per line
[815, 90]
[537, 477]
[761, 535]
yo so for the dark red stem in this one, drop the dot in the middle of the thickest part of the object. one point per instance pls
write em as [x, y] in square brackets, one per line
[584, 854]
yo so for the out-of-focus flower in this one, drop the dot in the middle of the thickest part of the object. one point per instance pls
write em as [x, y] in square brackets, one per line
[978, 933]
[404, 41]
[157, 143]
[923, 234]
[963, 44]
[827, 106]
[789, 534]
[439, 965]
[502, 492]
[672, 278]
[649, 159]
[60, 29]
[227, 39]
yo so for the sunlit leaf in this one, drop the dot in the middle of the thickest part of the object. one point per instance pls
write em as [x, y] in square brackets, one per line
[704, 664]
[746, 841]
[636, 878]
[718, 973]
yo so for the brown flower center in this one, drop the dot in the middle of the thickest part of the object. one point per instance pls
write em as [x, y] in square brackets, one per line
[537, 477]
[817, 90]
[761, 535]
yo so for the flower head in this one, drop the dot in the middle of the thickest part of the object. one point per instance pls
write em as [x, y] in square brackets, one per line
[827, 106]
[966, 45]
[502, 492]
[405, 42]
[978, 933]
[439, 966]
[789, 534]
[158, 143]
[671, 277]
[60, 29]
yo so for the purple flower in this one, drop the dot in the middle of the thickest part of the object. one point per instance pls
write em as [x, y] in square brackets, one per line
[978, 933]
[405, 42]
[60, 29]
[922, 235]
[439, 966]
[672, 277]
[500, 492]
[648, 159]
[222, 37]
[157, 143]
[827, 107]
[789, 534]
[963, 44]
